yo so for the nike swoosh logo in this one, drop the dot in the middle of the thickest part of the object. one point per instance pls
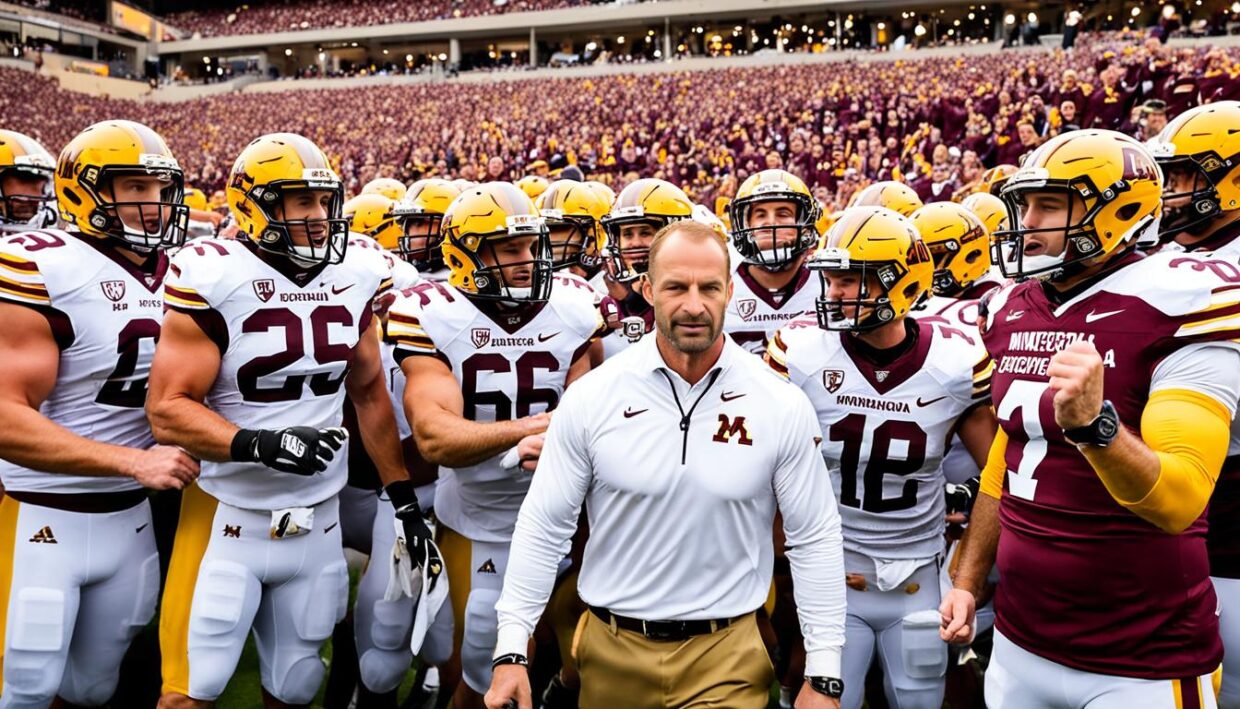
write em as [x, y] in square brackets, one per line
[139, 529]
[630, 413]
[544, 338]
[336, 291]
[1091, 316]
[927, 403]
[729, 396]
[1015, 315]
[330, 527]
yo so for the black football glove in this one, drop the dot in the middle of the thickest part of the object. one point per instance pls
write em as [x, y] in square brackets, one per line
[960, 498]
[418, 537]
[300, 450]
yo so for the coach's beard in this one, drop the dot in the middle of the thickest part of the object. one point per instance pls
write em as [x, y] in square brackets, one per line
[689, 335]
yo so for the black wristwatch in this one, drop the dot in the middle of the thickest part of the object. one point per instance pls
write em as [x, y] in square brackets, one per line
[1099, 432]
[830, 686]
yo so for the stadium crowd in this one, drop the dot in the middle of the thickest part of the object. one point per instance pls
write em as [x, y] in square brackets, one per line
[285, 15]
[935, 123]
[270, 359]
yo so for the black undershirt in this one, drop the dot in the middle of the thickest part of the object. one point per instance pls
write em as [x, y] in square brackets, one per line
[884, 357]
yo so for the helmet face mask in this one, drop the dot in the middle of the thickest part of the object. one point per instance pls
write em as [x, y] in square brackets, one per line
[571, 239]
[421, 239]
[871, 306]
[647, 204]
[141, 224]
[420, 218]
[945, 282]
[307, 241]
[26, 197]
[512, 268]
[785, 241]
[1199, 153]
[1075, 237]
[1199, 204]
[628, 263]
[27, 177]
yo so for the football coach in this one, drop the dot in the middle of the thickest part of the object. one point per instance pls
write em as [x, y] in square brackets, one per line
[682, 447]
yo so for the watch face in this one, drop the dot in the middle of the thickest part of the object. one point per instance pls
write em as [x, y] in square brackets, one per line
[1107, 428]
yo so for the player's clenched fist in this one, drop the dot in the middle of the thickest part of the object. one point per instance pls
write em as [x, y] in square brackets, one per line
[1076, 378]
[510, 687]
[163, 468]
[958, 614]
[299, 450]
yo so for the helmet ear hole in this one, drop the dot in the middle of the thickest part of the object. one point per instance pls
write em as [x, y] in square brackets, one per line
[1127, 212]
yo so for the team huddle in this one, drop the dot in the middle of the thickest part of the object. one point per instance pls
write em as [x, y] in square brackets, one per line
[1024, 401]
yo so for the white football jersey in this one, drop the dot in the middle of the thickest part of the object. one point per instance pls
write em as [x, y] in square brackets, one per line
[755, 313]
[105, 313]
[404, 274]
[884, 429]
[508, 366]
[286, 349]
[961, 314]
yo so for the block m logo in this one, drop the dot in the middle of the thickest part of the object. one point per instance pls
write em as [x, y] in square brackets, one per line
[732, 427]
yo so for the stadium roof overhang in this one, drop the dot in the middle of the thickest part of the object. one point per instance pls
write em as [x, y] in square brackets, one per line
[584, 19]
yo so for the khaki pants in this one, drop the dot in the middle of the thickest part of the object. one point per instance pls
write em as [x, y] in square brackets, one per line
[729, 668]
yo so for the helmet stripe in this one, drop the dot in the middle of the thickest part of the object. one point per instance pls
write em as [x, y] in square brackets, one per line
[151, 142]
[309, 153]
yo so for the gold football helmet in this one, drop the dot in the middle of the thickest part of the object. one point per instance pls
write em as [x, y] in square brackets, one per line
[269, 169]
[386, 186]
[195, 199]
[825, 219]
[85, 172]
[533, 186]
[774, 246]
[420, 217]
[496, 245]
[604, 190]
[893, 195]
[23, 157]
[892, 265]
[988, 208]
[648, 201]
[994, 178]
[1203, 144]
[1106, 183]
[372, 215]
[572, 211]
[957, 241]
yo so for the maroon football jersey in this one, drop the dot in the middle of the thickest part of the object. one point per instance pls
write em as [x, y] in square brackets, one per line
[1087, 583]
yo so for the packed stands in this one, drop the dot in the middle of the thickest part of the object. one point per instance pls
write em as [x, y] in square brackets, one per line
[288, 15]
[936, 123]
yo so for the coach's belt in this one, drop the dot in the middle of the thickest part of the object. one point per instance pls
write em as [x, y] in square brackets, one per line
[663, 630]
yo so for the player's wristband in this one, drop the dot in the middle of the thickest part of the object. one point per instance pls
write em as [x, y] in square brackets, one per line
[244, 448]
[401, 494]
[512, 658]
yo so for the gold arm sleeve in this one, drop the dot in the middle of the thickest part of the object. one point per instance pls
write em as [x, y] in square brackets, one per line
[996, 467]
[1189, 433]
